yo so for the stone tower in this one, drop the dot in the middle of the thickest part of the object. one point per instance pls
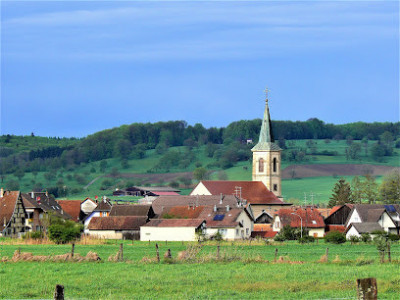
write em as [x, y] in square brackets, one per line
[267, 157]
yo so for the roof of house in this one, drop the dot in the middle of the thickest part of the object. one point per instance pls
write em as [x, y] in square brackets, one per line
[309, 217]
[117, 223]
[366, 227]
[131, 210]
[264, 234]
[340, 228]
[372, 212]
[104, 205]
[221, 217]
[45, 202]
[163, 202]
[71, 207]
[255, 192]
[175, 223]
[182, 212]
[154, 189]
[7, 207]
[166, 193]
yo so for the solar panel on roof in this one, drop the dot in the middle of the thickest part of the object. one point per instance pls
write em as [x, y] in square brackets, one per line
[390, 208]
[218, 217]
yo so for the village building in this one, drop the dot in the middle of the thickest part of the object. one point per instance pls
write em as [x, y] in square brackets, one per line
[121, 227]
[373, 217]
[37, 206]
[307, 218]
[173, 230]
[147, 191]
[132, 210]
[88, 205]
[102, 209]
[337, 218]
[12, 214]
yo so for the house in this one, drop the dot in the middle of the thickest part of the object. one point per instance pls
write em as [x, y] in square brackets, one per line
[172, 230]
[264, 218]
[121, 227]
[375, 217]
[308, 218]
[132, 210]
[147, 191]
[88, 205]
[254, 192]
[102, 209]
[337, 218]
[12, 214]
[39, 204]
[72, 208]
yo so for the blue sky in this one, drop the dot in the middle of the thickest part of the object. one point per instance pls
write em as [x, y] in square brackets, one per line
[74, 68]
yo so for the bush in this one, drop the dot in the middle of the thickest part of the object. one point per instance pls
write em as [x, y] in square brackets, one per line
[335, 237]
[354, 239]
[35, 235]
[307, 239]
[365, 237]
[393, 237]
[279, 238]
[62, 232]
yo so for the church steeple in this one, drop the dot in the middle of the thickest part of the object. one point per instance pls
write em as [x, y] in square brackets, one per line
[267, 156]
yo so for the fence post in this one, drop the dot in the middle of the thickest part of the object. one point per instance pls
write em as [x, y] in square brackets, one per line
[327, 253]
[367, 289]
[72, 250]
[121, 252]
[59, 292]
[169, 255]
[218, 251]
[158, 253]
[389, 254]
[166, 242]
[276, 253]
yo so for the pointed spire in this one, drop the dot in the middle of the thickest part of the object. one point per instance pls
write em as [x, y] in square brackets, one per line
[266, 139]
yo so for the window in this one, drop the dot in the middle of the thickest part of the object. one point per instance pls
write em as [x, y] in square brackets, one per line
[261, 165]
[275, 187]
[274, 162]
[237, 231]
[247, 231]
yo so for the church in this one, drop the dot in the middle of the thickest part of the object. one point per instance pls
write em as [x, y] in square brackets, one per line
[264, 192]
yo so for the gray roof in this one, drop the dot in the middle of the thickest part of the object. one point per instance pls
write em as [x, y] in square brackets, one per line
[367, 227]
[132, 210]
[372, 212]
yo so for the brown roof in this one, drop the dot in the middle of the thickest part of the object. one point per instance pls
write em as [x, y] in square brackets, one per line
[164, 202]
[253, 191]
[117, 223]
[366, 227]
[71, 207]
[104, 205]
[132, 210]
[45, 202]
[7, 207]
[175, 223]
[340, 228]
[371, 212]
[182, 212]
[310, 217]
[221, 218]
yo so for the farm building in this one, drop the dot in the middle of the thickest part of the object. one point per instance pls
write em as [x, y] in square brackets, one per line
[308, 218]
[147, 191]
[172, 230]
[12, 214]
[102, 210]
[122, 227]
[88, 205]
[73, 209]
[385, 217]
[132, 210]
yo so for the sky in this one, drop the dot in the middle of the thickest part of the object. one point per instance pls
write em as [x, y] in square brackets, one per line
[70, 69]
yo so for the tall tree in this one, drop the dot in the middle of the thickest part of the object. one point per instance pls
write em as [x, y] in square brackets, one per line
[341, 193]
[389, 191]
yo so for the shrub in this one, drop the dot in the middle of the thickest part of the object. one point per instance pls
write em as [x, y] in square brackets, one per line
[62, 232]
[279, 238]
[306, 239]
[365, 237]
[335, 237]
[354, 239]
[35, 235]
[393, 237]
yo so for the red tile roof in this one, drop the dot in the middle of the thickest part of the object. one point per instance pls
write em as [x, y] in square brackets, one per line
[182, 212]
[7, 207]
[117, 223]
[175, 223]
[166, 193]
[253, 191]
[71, 207]
[337, 207]
[340, 228]
[264, 234]
[310, 217]
[262, 227]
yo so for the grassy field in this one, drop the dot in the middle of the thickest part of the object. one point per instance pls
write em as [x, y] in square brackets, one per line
[212, 279]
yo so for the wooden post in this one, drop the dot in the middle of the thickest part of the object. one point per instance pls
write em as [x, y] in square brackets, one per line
[367, 289]
[72, 250]
[389, 254]
[182, 243]
[218, 252]
[382, 254]
[59, 292]
[276, 254]
[121, 252]
[317, 240]
[158, 253]
[166, 242]
[149, 242]
[327, 253]
[169, 255]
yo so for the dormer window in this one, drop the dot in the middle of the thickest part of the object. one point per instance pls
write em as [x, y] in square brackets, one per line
[274, 163]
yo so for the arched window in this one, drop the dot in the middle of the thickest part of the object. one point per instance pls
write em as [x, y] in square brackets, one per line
[261, 165]
[274, 164]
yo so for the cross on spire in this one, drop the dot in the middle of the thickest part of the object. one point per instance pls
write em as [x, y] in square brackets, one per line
[266, 94]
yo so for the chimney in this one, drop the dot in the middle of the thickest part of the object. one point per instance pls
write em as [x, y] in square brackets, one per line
[227, 208]
[1, 192]
[215, 208]
[32, 195]
[221, 198]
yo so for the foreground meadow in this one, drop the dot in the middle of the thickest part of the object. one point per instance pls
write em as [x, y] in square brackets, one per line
[243, 276]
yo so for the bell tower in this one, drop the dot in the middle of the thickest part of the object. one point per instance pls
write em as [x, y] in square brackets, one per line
[267, 156]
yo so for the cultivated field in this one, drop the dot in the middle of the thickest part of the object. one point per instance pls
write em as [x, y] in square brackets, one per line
[243, 270]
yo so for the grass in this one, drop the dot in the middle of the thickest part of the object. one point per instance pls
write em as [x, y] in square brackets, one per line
[108, 280]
